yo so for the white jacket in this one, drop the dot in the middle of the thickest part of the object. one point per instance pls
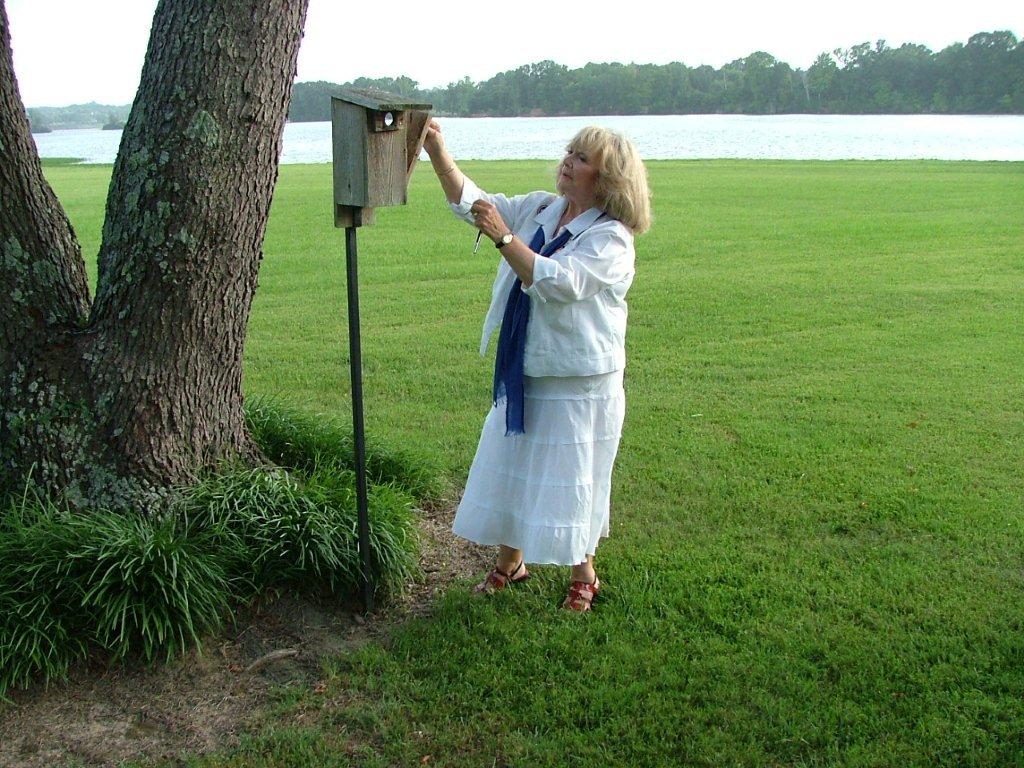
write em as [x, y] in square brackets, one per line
[578, 298]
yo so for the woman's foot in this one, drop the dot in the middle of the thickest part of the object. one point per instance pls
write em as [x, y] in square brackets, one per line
[581, 595]
[498, 579]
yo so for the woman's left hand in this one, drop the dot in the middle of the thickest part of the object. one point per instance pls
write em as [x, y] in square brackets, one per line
[488, 220]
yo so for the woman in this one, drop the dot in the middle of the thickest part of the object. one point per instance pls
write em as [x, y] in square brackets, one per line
[540, 483]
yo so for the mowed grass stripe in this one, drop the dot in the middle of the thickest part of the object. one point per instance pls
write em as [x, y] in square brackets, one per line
[817, 551]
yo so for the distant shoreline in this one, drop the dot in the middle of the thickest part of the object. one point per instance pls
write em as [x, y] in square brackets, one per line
[796, 137]
[96, 127]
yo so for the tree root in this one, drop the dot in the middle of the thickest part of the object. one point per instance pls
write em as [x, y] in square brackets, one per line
[262, 661]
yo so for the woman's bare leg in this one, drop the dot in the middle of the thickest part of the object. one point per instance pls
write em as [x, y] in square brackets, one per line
[584, 571]
[509, 558]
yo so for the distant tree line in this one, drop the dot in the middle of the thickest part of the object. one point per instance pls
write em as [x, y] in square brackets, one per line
[983, 76]
[92, 115]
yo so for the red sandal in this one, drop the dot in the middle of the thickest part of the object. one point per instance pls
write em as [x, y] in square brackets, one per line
[497, 579]
[581, 595]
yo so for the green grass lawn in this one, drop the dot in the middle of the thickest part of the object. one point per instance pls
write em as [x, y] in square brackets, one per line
[817, 550]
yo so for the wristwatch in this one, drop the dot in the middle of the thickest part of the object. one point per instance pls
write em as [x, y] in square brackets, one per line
[505, 240]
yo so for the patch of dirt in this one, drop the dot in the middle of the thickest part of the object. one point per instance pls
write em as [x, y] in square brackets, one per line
[204, 701]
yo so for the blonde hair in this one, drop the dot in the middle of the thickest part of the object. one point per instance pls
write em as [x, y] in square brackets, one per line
[622, 189]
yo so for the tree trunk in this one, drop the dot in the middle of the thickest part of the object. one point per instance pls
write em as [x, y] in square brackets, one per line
[143, 388]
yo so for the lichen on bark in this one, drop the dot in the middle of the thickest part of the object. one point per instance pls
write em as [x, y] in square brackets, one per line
[204, 129]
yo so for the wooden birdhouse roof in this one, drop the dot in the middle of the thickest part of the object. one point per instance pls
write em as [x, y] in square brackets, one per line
[374, 98]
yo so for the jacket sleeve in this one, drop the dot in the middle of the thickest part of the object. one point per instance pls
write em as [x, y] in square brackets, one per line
[508, 207]
[600, 259]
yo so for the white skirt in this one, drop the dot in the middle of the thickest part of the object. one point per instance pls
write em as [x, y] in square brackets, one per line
[547, 491]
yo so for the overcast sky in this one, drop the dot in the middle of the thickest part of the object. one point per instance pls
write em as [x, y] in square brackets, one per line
[75, 51]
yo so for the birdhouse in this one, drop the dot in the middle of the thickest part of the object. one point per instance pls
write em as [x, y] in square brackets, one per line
[377, 138]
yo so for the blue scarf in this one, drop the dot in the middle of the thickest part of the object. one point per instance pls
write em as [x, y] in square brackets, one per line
[508, 365]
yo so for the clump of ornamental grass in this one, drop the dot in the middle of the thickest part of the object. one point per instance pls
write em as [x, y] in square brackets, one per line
[300, 441]
[147, 585]
[38, 623]
[279, 527]
[118, 581]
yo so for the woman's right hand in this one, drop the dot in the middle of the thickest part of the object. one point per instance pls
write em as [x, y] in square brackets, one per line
[433, 142]
[447, 171]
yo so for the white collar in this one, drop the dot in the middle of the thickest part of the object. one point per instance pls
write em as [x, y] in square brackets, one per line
[548, 218]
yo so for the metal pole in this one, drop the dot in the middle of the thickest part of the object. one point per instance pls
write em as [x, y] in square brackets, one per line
[356, 364]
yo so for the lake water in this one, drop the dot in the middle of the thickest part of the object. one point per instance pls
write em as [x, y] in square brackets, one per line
[782, 137]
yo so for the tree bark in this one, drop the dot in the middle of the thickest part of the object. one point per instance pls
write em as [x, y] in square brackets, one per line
[143, 388]
[40, 259]
[44, 295]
